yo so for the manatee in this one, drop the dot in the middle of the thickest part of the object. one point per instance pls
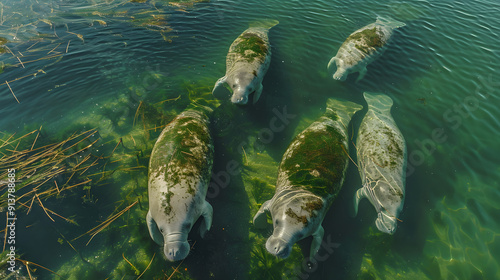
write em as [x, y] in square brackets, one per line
[179, 172]
[247, 62]
[381, 152]
[363, 47]
[310, 177]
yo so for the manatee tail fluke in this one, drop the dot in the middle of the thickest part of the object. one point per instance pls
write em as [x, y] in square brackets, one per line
[387, 21]
[342, 108]
[379, 102]
[266, 23]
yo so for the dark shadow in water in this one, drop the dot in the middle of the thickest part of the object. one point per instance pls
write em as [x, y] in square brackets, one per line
[277, 113]
[225, 251]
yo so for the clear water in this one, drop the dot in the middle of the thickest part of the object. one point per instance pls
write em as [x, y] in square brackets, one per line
[99, 64]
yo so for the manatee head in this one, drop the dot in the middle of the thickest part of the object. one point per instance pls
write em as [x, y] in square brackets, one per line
[176, 250]
[385, 222]
[243, 85]
[389, 205]
[175, 229]
[293, 220]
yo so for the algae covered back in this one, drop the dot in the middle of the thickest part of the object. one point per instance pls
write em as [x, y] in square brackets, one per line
[317, 158]
[253, 44]
[317, 161]
[250, 46]
[368, 40]
[380, 134]
[184, 150]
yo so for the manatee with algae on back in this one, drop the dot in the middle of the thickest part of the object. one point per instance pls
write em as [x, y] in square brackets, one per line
[310, 176]
[363, 47]
[381, 152]
[247, 62]
[179, 172]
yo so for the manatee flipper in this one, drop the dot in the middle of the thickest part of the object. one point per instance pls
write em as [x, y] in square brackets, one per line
[219, 91]
[260, 219]
[332, 61]
[316, 243]
[362, 73]
[257, 93]
[206, 224]
[153, 230]
[360, 194]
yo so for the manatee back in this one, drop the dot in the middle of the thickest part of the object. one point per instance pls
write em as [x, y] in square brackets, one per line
[252, 45]
[381, 147]
[317, 158]
[182, 157]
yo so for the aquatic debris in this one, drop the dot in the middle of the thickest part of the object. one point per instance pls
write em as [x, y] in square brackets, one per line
[148, 266]
[39, 169]
[101, 22]
[80, 36]
[27, 263]
[183, 4]
[94, 231]
[12, 91]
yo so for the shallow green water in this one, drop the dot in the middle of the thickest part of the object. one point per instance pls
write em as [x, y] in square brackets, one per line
[109, 65]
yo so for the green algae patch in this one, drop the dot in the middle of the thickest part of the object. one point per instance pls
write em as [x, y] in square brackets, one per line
[293, 215]
[251, 47]
[367, 40]
[186, 135]
[317, 163]
[313, 206]
[167, 207]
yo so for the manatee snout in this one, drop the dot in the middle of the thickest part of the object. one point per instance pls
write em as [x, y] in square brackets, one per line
[176, 251]
[340, 75]
[239, 99]
[278, 247]
[385, 223]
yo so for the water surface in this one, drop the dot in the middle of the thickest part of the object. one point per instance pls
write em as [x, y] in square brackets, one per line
[125, 68]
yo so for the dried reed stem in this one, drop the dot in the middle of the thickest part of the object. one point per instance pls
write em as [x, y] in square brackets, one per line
[7, 83]
[94, 231]
[137, 113]
[41, 204]
[148, 266]
[40, 266]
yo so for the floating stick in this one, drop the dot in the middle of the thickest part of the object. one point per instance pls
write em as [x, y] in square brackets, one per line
[54, 48]
[27, 262]
[348, 155]
[149, 265]
[12, 92]
[41, 204]
[6, 225]
[135, 268]
[40, 129]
